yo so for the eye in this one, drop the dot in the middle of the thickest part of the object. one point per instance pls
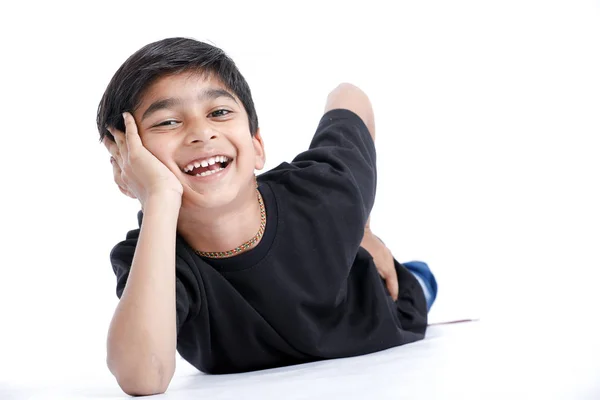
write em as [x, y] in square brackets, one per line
[220, 113]
[170, 122]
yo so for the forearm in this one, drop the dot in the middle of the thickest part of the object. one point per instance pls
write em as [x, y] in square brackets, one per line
[142, 337]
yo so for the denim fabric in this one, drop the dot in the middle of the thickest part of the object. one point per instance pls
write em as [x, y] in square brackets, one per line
[425, 277]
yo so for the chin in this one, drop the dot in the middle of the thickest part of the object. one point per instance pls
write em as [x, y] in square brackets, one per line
[208, 198]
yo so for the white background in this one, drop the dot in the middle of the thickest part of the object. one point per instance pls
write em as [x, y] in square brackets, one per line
[488, 120]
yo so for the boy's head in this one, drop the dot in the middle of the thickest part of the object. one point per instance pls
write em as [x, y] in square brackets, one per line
[190, 103]
[168, 57]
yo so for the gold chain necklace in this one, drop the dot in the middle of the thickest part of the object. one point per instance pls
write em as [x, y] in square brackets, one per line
[246, 245]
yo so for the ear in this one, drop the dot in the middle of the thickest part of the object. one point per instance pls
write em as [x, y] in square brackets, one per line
[259, 150]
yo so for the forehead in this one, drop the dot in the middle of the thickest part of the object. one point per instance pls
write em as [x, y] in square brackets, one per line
[184, 85]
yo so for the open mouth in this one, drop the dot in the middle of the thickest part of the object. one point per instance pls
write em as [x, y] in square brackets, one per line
[207, 166]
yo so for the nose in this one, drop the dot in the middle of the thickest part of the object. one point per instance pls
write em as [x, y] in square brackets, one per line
[200, 131]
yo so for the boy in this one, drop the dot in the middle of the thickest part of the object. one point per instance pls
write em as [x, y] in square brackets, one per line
[235, 272]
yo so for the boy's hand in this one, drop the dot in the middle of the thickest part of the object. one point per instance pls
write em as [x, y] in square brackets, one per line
[116, 162]
[138, 173]
[384, 261]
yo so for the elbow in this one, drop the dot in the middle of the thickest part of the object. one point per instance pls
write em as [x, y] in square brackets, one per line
[138, 387]
[347, 92]
[140, 381]
[346, 86]
[142, 384]
[351, 97]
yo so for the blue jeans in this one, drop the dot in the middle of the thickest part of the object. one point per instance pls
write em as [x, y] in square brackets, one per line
[425, 277]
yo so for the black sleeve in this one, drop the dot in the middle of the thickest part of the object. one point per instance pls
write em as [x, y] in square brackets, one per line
[343, 152]
[338, 172]
[187, 290]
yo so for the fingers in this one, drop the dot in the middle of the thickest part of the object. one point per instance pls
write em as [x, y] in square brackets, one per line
[125, 142]
[132, 138]
[117, 158]
[391, 282]
[118, 148]
[384, 262]
[126, 193]
[113, 149]
[121, 145]
[390, 277]
[118, 177]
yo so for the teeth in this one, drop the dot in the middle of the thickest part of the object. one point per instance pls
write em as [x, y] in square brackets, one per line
[205, 173]
[206, 162]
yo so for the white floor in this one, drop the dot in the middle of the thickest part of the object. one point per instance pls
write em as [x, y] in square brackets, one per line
[473, 360]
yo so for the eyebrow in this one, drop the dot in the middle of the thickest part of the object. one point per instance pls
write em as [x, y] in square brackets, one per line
[171, 102]
[212, 94]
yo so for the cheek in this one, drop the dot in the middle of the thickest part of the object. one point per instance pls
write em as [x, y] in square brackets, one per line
[247, 157]
[160, 149]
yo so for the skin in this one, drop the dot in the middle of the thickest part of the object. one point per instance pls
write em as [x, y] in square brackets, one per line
[142, 337]
[213, 217]
[147, 164]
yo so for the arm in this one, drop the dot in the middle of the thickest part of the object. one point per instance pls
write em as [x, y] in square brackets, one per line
[352, 98]
[142, 337]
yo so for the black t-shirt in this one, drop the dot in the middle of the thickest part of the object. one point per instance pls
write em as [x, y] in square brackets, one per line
[307, 291]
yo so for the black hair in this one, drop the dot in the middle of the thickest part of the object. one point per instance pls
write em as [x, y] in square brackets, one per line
[166, 57]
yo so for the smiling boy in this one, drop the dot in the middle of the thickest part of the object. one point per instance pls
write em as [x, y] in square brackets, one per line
[233, 271]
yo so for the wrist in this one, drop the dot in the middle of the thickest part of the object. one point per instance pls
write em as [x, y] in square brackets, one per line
[163, 200]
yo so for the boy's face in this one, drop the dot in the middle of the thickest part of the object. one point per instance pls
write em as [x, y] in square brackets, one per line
[189, 117]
